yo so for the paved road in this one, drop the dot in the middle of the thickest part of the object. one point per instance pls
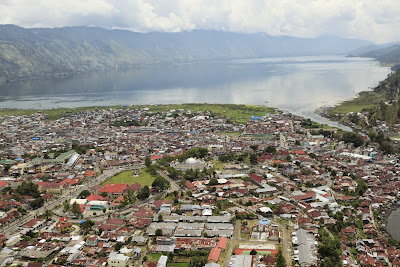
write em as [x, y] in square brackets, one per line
[233, 242]
[174, 185]
[286, 241]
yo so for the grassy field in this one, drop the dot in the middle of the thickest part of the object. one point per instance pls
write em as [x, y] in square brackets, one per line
[365, 100]
[153, 257]
[126, 177]
[238, 113]
[228, 133]
[179, 264]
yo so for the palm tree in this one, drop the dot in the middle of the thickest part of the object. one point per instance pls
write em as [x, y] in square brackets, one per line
[48, 214]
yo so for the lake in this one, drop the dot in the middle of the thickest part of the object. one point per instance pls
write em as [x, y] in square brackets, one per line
[296, 84]
[393, 225]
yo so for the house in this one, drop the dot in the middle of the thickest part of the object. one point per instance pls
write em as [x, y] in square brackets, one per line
[116, 259]
[162, 262]
[266, 211]
[257, 179]
[92, 241]
[114, 190]
[63, 225]
[51, 187]
[214, 254]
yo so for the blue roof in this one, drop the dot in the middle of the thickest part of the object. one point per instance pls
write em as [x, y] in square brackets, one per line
[82, 221]
[35, 138]
[264, 221]
[255, 118]
[18, 159]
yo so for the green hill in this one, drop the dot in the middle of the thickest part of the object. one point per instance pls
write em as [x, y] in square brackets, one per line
[38, 52]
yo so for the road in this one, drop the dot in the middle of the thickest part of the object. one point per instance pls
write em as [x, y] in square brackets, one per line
[174, 185]
[286, 241]
[234, 239]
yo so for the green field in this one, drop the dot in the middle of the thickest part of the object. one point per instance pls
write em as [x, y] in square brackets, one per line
[179, 264]
[263, 253]
[365, 100]
[126, 177]
[228, 133]
[153, 257]
[238, 113]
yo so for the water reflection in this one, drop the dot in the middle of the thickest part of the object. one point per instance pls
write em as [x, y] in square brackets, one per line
[299, 85]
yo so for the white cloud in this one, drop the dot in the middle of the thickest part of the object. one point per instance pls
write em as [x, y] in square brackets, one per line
[378, 21]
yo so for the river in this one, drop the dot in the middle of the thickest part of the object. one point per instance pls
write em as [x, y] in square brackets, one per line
[393, 225]
[297, 84]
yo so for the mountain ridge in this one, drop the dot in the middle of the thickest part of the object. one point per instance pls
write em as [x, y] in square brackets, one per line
[41, 52]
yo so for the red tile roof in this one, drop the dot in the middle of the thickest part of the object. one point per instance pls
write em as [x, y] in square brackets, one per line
[214, 254]
[222, 242]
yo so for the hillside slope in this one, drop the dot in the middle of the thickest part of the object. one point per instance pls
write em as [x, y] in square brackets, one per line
[36, 52]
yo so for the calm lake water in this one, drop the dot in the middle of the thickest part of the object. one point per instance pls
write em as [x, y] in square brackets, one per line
[297, 84]
[393, 226]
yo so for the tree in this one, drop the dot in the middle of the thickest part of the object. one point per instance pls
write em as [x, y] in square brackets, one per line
[37, 203]
[76, 209]
[84, 194]
[118, 246]
[279, 259]
[28, 189]
[253, 159]
[254, 147]
[160, 183]
[143, 193]
[253, 252]
[270, 149]
[159, 232]
[86, 225]
[213, 181]
[160, 218]
[47, 214]
[147, 162]
[66, 206]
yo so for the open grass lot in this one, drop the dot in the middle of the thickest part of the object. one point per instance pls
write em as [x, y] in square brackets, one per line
[179, 264]
[238, 113]
[153, 257]
[126, 177]
[365, 100]
[228, 133]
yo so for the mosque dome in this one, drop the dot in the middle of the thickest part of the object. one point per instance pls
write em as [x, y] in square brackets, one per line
[191, 161]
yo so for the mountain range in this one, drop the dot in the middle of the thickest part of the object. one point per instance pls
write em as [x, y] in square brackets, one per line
[386, 53]
[43, 52]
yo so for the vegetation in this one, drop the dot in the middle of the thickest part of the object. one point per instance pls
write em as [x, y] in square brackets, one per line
[87, 225]
[329, 250]
[279, 259]
[28, 189]
[126, 177]
[76, 209]
[84, 194]
[236, 113]
[143, 193]
[160, 183]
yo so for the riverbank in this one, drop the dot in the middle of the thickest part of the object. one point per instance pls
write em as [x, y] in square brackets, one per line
[381, 217]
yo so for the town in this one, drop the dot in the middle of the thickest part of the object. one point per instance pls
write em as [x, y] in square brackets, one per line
[133, 186]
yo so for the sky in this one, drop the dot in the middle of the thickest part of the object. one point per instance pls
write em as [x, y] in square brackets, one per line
[374, 20]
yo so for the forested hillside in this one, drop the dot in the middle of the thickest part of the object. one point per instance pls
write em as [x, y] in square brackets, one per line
[37, 52]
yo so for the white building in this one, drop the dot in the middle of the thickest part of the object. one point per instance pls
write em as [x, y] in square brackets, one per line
[117, 260]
